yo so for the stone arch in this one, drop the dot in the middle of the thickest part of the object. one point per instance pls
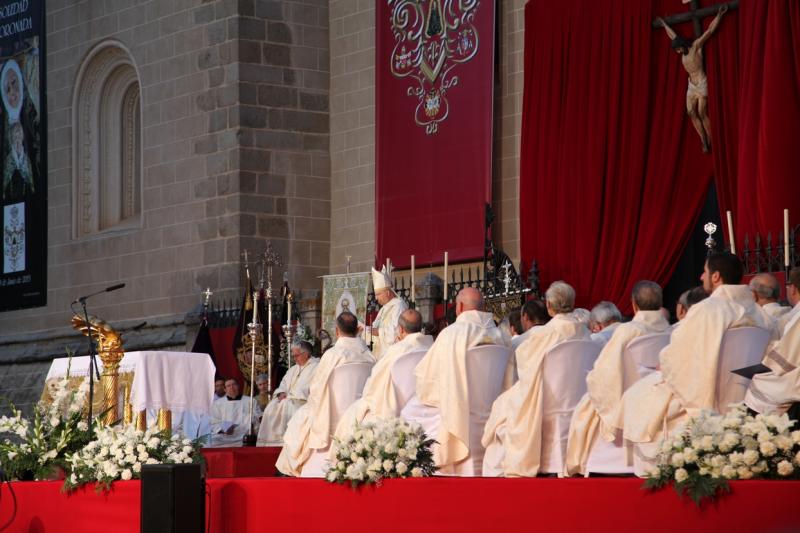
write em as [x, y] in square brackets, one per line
[107, 143]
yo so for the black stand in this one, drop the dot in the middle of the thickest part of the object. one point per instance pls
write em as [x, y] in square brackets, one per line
[92, 360]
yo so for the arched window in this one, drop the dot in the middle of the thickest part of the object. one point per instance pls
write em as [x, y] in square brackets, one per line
[107, 138]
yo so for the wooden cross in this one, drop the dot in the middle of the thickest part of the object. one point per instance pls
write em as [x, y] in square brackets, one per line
[696, 14]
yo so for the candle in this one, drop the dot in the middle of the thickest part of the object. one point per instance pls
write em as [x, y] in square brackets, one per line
[289, 310]
[730, 232]
[445, 276]
[255, 307]
[786, 238]
[412, 279]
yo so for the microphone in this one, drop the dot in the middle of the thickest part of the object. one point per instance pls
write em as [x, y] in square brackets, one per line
[82, 299]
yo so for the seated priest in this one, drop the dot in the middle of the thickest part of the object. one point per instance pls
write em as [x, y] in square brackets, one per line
[515, 324]
[778, 391]
[793, 295]
[291, 394]
[441, 402]
[597, 414]
[604, 320]
[310, 427]
[686, 383]
[262, 398]
[389, 314]
[766, 291]
[229, 417]
[686, 300]
[512, 436]
[533, 316]
[219, 389]
[380, 399]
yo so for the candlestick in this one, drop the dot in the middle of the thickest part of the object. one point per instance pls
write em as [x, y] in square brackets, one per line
[445, 277]
[348, 263]
[730, 232]
[412, 280]
[786, 238]
[255, 306]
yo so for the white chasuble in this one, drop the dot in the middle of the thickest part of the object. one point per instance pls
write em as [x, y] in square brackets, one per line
[386, 323]
[310, 427]
[776, 390]
[380, 399]
[442, 382]
[295, 384]
[687, 381]
[598, 412]
[514, 428]
[227, 413]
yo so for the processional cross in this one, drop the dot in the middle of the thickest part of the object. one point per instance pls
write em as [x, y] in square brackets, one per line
[691, 51]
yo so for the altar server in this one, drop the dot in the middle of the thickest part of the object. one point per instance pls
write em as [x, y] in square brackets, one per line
[229, 417]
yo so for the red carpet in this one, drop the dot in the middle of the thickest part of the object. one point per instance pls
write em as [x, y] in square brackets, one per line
[437, 504]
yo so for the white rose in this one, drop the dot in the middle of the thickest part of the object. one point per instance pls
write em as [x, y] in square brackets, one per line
[785, 468]
[707, 443]
[750, 458]
[151, 461]
[187, 449]
[736, 458]
[390, 448]
[677, 460]
[332, 475]
[768, 448]
[689, 455]
[402, 468]
[126, 474]
[402, 453]
[704, 471]
[718, 461]
[681, 475]
[761, 467]
[783, 443]
[744, 472]
[388, 465]
[764, 436]
[728, 472]
[140, 448]
[137, 467]
[83, 426]
[416, 472]
[73, 479]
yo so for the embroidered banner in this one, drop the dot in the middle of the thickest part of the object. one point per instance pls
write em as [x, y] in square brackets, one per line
[23, 137]
[434, 110]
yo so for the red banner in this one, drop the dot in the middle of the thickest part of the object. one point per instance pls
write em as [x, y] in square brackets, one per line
[434, 101]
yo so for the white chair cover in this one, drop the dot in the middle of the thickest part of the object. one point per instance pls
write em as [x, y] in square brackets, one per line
[346, 386]
[486, 367]
[640, 357]
[566, 366]
[403, 378]
[741, 347]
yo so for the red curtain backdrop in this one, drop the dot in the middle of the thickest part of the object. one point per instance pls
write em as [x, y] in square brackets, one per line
[431, 189]
[612, 177]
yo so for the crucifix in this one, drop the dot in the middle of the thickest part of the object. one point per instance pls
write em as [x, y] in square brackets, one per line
[691, 51]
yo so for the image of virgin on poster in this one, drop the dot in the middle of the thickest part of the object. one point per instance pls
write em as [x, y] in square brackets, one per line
[23, 175]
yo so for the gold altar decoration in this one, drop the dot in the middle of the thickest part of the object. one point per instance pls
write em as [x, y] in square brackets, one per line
[244, 355]
[127, 408]
[141, 421]
[110, 350]
[164, 420]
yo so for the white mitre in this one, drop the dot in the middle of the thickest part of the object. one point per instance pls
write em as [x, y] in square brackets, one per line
[381, 280]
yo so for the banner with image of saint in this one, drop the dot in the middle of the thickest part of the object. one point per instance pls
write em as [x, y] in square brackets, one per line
[23, 137]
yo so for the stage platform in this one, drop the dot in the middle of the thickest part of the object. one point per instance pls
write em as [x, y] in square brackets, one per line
[440, 504]
[241, 462]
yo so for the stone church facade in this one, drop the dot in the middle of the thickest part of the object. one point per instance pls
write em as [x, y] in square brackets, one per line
[183, 132]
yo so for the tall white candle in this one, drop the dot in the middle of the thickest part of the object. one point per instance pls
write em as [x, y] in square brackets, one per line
[412, 280]
[255, 307]
[289, 311]
[445, 276]
[730, 232]
[786, 238]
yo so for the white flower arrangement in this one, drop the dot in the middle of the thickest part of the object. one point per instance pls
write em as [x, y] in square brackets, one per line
[389, 448]
[712, 449]
[38, 449]
[120, 452]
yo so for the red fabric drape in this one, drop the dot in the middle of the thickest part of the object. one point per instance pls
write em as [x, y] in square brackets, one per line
[612, 177]
[227, 366]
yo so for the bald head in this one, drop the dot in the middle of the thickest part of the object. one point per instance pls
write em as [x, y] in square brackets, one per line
[469, 299]
[410, 322]
[766, 288]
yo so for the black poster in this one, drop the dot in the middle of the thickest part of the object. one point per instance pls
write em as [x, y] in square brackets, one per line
[23, 159]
